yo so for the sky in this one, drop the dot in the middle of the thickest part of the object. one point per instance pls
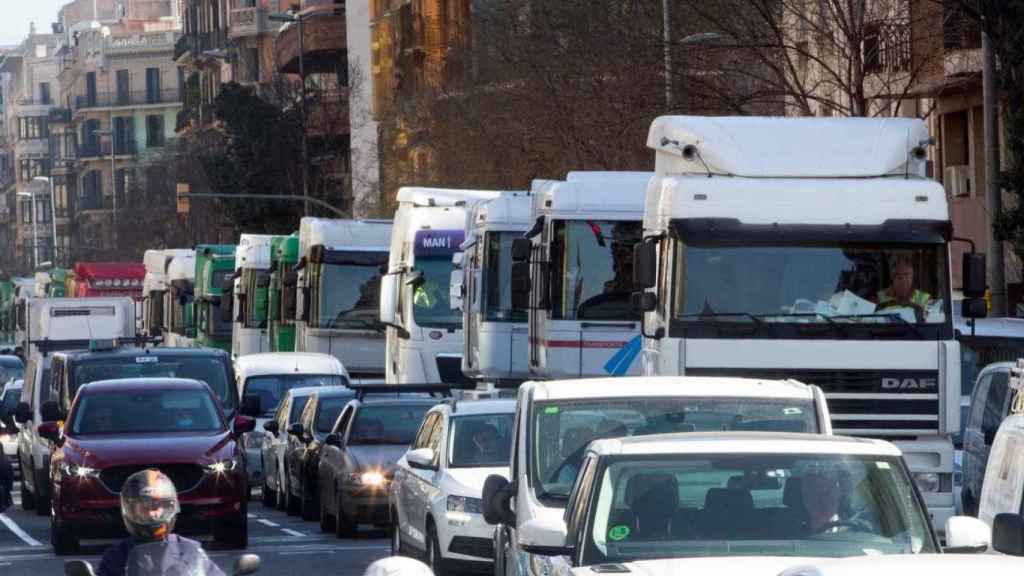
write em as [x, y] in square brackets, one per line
[15, 16]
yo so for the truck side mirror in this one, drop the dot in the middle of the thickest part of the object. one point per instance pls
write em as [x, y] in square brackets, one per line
[457, 289]
[225, 306]
[521, 248]
[22, 413]
[645, 301]
[50, 411]
[520, 285]
[645, 264]
[1008, 534]
[389, 300]
[307, 304]
[974, 275]
[251, 405]
[974, 308]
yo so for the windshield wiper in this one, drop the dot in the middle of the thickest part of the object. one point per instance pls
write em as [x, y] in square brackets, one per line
[713, 315]
[837, 327]
[890, 316]
[359, 322]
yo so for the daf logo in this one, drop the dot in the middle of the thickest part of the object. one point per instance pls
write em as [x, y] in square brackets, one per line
[909, 383]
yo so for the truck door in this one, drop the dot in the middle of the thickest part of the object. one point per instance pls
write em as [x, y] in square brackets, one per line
[609, 348]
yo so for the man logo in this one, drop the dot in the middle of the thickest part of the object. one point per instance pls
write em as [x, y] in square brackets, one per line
[909, 383]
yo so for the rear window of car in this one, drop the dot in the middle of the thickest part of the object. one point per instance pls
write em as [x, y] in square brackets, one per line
[387, 424]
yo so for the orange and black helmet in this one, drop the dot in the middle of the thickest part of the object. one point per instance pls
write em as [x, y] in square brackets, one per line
[149, 505]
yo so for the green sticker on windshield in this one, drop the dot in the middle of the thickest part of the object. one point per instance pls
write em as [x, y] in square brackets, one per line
[551, 410]
[619, 532]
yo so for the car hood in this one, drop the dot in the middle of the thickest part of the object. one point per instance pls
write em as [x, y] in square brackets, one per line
[101, 452]
[470, 481]
[720, 566]
[383, 456]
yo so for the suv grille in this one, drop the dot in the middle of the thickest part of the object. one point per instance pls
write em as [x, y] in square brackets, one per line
[184, 476]
[874, 403]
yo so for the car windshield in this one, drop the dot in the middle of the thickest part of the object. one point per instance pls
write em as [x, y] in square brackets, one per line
[430, 298]
[348, 295]
[212, 371]
[754, 505]
[827, 284]
[480, 441]
[328, 411]
[11, 368]
[592, 270]
[497, 279]
[271, 389]
[563, 429]
[387, 424]
[154, 411]
[10, 400]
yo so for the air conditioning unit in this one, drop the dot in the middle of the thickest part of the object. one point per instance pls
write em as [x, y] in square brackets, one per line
[957, 181]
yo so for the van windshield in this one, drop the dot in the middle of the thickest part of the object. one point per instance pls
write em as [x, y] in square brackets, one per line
[212, 371]
[563, 429]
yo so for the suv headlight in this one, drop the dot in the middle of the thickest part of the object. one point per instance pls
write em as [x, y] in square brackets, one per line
[465, 504]
[76, 471]
[224, 466]
[927, 482]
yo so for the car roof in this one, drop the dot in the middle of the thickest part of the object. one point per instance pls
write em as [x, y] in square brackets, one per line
[399, 399]
[332, 392]
[288, 363]
[132, 352]
[10, 360]
[742, 443]
[141, 384]
[681, 386]
[474, 407]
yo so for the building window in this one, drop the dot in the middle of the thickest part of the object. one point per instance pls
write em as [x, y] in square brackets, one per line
[90, 89]
[152, 85]
[33, 128]
[124, 135]
[60, 193]
[154, 131]
[92, 191]
[29, 169]
[43, 208]
[44, 93]
[123, 88]
[26, 211]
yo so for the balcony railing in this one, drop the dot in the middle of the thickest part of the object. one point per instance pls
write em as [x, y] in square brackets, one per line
[102, 149]
[960, 31]
[200, 42]
[887, 47]
[94, 200]
[60, 116]
[115, 99]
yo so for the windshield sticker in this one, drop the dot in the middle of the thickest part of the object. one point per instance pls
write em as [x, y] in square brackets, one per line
[792, 411]
[551, 410]
[882, 465]
[438, 242]
[146, 359]
[619, 532]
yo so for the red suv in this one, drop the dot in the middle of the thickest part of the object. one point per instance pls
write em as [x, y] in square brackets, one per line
[118, 427]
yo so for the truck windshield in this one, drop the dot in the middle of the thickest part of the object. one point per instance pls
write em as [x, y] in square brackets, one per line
[497, 279]
[212, 371]
[146, 412]
[348, 295]
[563, 429]
[812, 505]
[271, 389]
[825, 284]
[430, 298]
[592, 270]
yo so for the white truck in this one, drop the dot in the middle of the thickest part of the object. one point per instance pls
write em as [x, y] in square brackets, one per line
[70, 323]
[341, 263]
[577, 268]
[250, 332]
[496, 341]
[155, 286]
[814, 249]
[424, 334]
[179, 298]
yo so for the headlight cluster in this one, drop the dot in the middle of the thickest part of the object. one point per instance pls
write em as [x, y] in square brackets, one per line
[224, 466]
[465, 504]
[76, 471]
[370, 478]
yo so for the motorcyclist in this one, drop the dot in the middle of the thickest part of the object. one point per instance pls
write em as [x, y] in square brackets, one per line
[149, 508]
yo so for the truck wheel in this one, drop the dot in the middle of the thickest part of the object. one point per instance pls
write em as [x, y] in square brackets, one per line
[64, 540]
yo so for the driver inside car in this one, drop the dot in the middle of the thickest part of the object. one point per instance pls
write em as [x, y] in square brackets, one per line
[821, 497]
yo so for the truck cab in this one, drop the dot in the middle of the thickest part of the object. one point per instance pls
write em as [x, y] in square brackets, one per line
[424, 334]
[155, 286]
[250, 332]
[215, 265]
[284, 255]
[338, 287]
[496, 342]
[579, 276]
[179, 300]
[822, 256]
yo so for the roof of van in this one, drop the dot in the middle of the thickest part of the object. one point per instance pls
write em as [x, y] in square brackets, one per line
[288, 363]
[743, 443]
[663, 386]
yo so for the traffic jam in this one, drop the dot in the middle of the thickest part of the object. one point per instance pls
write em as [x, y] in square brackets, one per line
[751, 360]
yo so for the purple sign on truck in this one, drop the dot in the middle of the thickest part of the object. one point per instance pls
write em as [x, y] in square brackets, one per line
[438, 242]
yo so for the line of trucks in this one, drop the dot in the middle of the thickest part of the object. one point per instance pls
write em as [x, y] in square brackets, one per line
[757, 247]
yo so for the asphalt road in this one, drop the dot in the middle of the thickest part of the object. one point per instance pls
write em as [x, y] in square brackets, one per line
[286, 545]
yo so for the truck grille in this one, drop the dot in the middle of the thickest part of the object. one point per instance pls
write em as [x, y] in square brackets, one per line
[184, 476]
[875, 403]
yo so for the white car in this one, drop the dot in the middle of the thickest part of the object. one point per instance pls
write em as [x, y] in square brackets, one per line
[274, 443]
[944, 565]
[436, 492]
[773, 496]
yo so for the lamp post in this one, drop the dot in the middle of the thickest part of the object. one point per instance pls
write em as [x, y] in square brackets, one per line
[53, 211]
[288, 17]
[35, 229]
[113, 173]
[667, 45]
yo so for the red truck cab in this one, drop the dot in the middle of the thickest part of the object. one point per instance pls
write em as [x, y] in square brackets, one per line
[99, 279]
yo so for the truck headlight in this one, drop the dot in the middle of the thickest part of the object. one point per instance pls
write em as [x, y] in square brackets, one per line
[465, 504]
[927, 482]
[76, 471]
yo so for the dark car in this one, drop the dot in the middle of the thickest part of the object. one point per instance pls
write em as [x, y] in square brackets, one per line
[70, 370]
[358, 459]
[11, 368]
[305, 440]
[117, 428]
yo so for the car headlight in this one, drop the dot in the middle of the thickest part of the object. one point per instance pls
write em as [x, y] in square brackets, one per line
[927, 481]
[465, 504]
[370, 478]
[224, 466]
[76, 471]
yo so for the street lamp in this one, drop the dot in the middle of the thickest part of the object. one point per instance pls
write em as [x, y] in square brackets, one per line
[35, 229]
[53, 210]
[667, 41]
[113, 173]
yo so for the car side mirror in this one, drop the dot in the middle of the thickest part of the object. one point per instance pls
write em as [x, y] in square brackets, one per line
[78, 568]
[22, 413]
[974, 271]
[645, 264]
[1008, 534]
[521, 248]
[545, 537]
[271, 426]
[246, 564]
[296, 430]
[252, 405]
[50, 431]
[966, 535]
[50, 411]
[421, 459]
[497, 501]
[244, 424]
[333, 440]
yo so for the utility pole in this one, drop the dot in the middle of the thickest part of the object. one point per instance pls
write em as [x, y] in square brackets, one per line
[289, 17]
[993, 192]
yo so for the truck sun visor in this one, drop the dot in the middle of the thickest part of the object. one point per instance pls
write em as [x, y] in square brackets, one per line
[438, 242]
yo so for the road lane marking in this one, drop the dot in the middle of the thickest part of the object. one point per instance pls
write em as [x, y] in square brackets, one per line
[18, 531]
[268, 523]
[292, 532]
[302, 553]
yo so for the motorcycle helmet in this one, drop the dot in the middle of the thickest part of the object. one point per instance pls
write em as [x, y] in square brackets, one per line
[149, 505]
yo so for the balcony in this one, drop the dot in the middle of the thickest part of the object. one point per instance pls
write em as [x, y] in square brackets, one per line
[887, 47]
[127, 99]
[94, 200]
[246, 22]
[141, 43]
[195, 45]
[60, 116]
[100, 150]
[323, 38]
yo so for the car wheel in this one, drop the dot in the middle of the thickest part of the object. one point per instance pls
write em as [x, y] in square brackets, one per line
[396, 536]
[234, 534]
[63, 538]
[310, 506]
[28, 501]
[282, 493]
[434, 558]
[294, 505]
[326, 520]
[344, 527]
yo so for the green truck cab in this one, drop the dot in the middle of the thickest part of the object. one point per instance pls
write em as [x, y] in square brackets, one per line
[215, 266]
[284, 255]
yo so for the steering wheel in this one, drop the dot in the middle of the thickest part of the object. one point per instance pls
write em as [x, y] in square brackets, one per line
[839, 524]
